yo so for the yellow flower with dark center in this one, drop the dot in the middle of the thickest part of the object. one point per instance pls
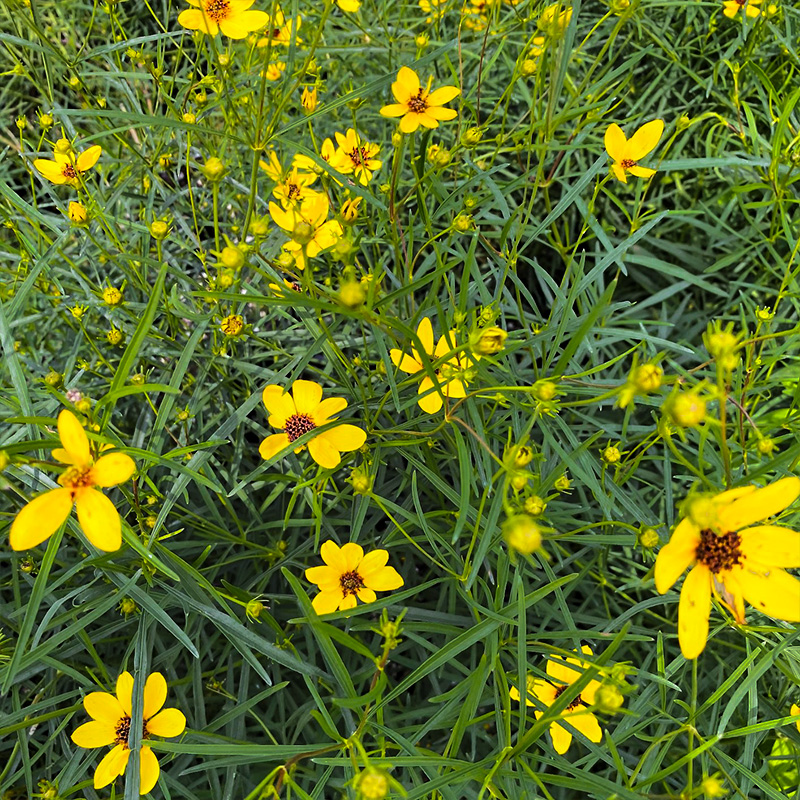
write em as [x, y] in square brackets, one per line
[730, 8]
[233, 17]
[84, 475]
[627, 153]
[301, 412]
[232, 325]
[417, 105]
[450, 374]
[733, 558]
[576, 714]
[295, 187]
[356, 156]
[65, 167]
[349, 576]
[308, 226]
[111, 723]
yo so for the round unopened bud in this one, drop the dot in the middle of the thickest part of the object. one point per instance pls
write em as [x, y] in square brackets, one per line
[684, 121]
[471, 137]
[713, 788]
[647, 378]
[544, 390]
[421, 41]
[522, 534]
[522, 457]
[649, 538]
[528, 67]
[127, 606]
[232, 257]
[259, 226]
[112, 296]
[519, 480]
[352, 294]
[83, 406]
[189, 118]
[534, 505]
[608, 698]
[488, 341]
[46, 121]
[213, 169]
[62, 147]
[303, 232]
[611, 454]
[618, 6]
[441, 158]
[285, 260]
[373, 784]
[114, 336]
[232, 325]
[397, 139]
[361, 481]
[26, 565]
[53, 378]
[463, 223]
[159, 230]
[765, 446]
[224, 60]
[138, 379]
[687, 410]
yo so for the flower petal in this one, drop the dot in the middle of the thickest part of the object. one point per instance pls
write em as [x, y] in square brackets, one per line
[124, 690]
[562, 738]
[644, 140]
[195, 20]
[587, 724]
[325, 576]
[167, 723]
[155, 694]
[307, 396]
[407, 83]
[345, 438]
[326, 602]
[351, 555]
[366, 595]
[99, 519]
[88, 158]
[404, 362]
[331, 554]
[372, 562]
[113, 469]
[279, 404]
[675, 557]
[439, 113]
[410, 122]
[329, 407]
[272, 445]
[693, 611]
[443, 95]
[324, 453]
[619, 172]
[148, 770]
[384, 580]
[54, 171]
[642, 172]
[760, 504]
[73, 438]
[103, 707]
[772, 545]
[111, 766]
[430, 403]
[94, 734]
[615, 142]
[392, 110]
[40, 519]
[773, 592]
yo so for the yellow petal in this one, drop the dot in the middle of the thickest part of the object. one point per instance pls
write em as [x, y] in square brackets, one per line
[759, 505]
[562, 738]
[111, 767]
[73, 438]
[50, 170]
[323, 577]
[148, 770]
[307, 395]
[427, 120]
[113, 469]
[351, 554]
[167, 723]
[430, 403]
[615, 142]
[155, 694]
[443, 95]
[88, 158]
[95, 734]
[410, 122]
[619, 172]
[454, 388]
[324, 453]
[644, 140]
[195, 20]
[348, 601]
[392, 110]
[40, 519]
[772, 591]
[124, 691]
[279, 404]
[404, 362]
[373, 561]
[103, 707]
[326, 602]
[385, 580]
[559, 670]
[99, 519]
[345, 438]
[671, 563]
[642, 172]
[329, 407]
[60, 454]
[272, 445]
[332, 555]
[587, 724]
[407, 82]
[771, 545]
[543, 691]
[367, 595]
[693, 611]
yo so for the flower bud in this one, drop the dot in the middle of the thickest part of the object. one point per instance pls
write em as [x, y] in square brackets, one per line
[471, 137]
[608, 698]
[128, 606]
[544, 390]
[349, 211]
[397, 139]
[463, 223]
[528, 67]
[713, 788]
[254, 608]
[522, 534]
[352, 294]
[765, 446]
[46, 121]
[534, 505]
[189, 118]
[649, 538]
[686, 409]
[522, 456]
[373, 784]
[232, 257]
[112, 296]
[114, 337]
[213, 169]
[78, 215]
[488, 341]
[611, 454]
[519, 480]
[361, 481]
[303, 232]
[308, 100]
[562, 483]
[83, 406]
[159, 230]
[54, 379]
[63, 147]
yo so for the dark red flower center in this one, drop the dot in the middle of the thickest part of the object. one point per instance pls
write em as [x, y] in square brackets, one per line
[351, 582]
[574, 704]
[627, 163]
[123, 731]
[68, 171]
[217, 9]
[297, 425]
[719, 552]
[417, 103]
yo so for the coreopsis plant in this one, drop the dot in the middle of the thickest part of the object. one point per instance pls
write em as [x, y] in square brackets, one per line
[295, 188]
[86, 472]
[308, 226]
[560, 675]
[301, 412]
[349, 576]
[234, 18]
[730, 8]
[111, 724]
[627, 153]
[66, 167]
[450, 375]
[417, 105]
[356, 156]
[733, 559]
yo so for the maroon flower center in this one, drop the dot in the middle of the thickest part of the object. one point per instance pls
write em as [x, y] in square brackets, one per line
[217, 9]
[574, 704]
[417, 103]
[68, 171]
[292, 190]
[359, 155]
[719, 552]
[627, 163]
[123, 731]
[351, 582]
[77, 478]
[297, 425]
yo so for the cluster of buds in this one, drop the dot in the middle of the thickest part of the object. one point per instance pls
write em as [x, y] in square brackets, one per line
[722, 345]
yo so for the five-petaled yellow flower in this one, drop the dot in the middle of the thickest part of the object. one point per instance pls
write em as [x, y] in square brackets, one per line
[111, 723]
[417, 105]
[734, 558]
[301, 412]
[295, 187]
[732, 7]
[349, 576]
[85, 474]
[576, 713]
[356, 156]
[451, 378]
[307, 226]
[234, 18]
[65, 167]
[628, 152]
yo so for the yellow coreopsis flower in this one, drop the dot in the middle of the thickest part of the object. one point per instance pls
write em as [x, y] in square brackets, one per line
[628, 152]
[234, 18]
[356, 156]
[307, 226]
[272, 166]
[301, 412]
[417, 106]
[349, 6]
[576, 713]
[349, 576]
[295, 187]
[280, 31]
[84, 475]
[111, 722]
[730, 8]
[451, 378]
[733, 558]
[327, 153]
[65, 167]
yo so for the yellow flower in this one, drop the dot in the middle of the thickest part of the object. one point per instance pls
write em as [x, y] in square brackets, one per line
[294, 188]
[553, 21]
[275, 70]
[306, 225]
[349, 576]
[65, 168]
[272, 166]
[232, 17]
[732, 7]
[452, 380]
[302, 411]
[98, 518]
[232, 325]
[628, 152]
[576, 713]
[111, 721]
[280, 31]
[734, 558]
[417, 106]
[308, 100]
[77, 213]
[327, 153]
[356, 156]
[350, 6]
[434, 8]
